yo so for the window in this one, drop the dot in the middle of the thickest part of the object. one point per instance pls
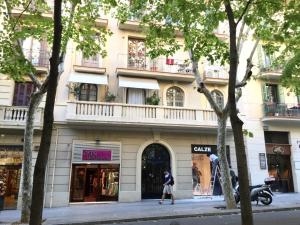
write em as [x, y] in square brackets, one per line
[175, 97]
[271, 93]
[36, 52]
[136, 53]
[88, 92]
[22, 93]
[136, 96]
[92, 61]
[218, 97]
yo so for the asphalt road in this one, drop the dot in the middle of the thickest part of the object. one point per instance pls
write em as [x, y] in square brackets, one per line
[265, 218]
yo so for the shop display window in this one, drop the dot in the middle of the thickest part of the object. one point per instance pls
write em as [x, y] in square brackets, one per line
[93, 183]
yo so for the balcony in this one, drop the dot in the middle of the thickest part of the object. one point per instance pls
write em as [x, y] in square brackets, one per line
[271, 72]
[215, 75]
[281, 112]
[159, 68]
[88, 65]
[139, 115]
[39, 59]
[15, 117]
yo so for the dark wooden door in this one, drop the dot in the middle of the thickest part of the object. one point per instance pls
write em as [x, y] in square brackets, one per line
[155, 160]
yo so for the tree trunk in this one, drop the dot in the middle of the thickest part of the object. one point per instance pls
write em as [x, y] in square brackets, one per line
[35, 100]
[246, 208]
[236, 123]
[42, 159]
[226, 179]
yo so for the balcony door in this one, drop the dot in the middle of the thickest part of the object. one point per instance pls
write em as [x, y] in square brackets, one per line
[136, 96]
[22, 93]
[36, 52]
[88, 92]
[136, 53]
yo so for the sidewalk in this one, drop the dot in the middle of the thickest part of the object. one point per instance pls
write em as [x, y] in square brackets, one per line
[148, 209]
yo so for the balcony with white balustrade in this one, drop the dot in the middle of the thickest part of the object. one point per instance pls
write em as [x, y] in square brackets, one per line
[15, 117]
[79, 112]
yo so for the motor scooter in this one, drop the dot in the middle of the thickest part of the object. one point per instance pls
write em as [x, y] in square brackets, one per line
[259, 193]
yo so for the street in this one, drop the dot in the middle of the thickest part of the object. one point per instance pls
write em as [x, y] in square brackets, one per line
[267, 218]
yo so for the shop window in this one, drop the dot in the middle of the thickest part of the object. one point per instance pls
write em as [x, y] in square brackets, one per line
[218, 97]
[88, 92]
[175, 97]
[93, 183]
[22, 93]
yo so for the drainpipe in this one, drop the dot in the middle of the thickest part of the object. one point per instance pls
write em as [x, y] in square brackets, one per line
[54, 167]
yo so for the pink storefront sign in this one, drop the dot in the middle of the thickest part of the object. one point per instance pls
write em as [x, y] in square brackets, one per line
[96, 154]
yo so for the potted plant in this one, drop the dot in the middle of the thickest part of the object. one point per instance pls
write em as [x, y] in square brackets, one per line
[74, 88]
[109, 97]
[153, 100]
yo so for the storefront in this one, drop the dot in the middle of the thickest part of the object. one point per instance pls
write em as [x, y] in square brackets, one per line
[279, 167]
[202, 168]
[11, 157]
[95, 172]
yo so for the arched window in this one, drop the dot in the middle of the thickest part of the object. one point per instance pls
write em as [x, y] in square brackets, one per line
[175, 97]
[218, 97]
[88, 92]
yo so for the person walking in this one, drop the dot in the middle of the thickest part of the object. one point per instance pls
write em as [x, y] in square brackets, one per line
[168, 187]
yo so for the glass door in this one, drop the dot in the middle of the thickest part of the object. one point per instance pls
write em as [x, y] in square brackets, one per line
[78, 183]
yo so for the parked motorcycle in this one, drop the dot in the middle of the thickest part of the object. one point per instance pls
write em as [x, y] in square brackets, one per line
[259, 193]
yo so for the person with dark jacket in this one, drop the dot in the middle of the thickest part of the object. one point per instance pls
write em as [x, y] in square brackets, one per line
[234, 178]
[168, 187]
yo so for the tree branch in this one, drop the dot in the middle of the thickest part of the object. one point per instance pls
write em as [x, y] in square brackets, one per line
[244, 11]
[248, 72]
[238, 45]
[25, 9]
[230, 13]
[201, 86]
[238, 94]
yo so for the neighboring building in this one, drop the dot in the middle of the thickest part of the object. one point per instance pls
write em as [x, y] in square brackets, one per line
[120, 121]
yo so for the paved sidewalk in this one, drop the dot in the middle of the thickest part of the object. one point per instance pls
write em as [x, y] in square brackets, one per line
[148, 209]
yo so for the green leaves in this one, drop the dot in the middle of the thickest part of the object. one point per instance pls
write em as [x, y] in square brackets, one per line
[248, 133]
[291, 74]
[33, 19]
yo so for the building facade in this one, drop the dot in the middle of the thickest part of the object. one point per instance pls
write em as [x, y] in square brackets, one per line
[122, 120]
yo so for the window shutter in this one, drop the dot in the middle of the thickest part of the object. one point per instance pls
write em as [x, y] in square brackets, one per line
[281, 94]
[265, 93]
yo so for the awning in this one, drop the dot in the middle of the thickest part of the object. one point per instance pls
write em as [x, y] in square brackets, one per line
[133, 82]
[88, 78]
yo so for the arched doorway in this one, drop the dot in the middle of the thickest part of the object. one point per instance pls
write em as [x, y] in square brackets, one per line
[155, 159]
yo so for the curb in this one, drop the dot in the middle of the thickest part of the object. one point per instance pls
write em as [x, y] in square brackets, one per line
[228, 212]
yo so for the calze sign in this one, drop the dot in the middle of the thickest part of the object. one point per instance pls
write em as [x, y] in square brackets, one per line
[96, 155]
